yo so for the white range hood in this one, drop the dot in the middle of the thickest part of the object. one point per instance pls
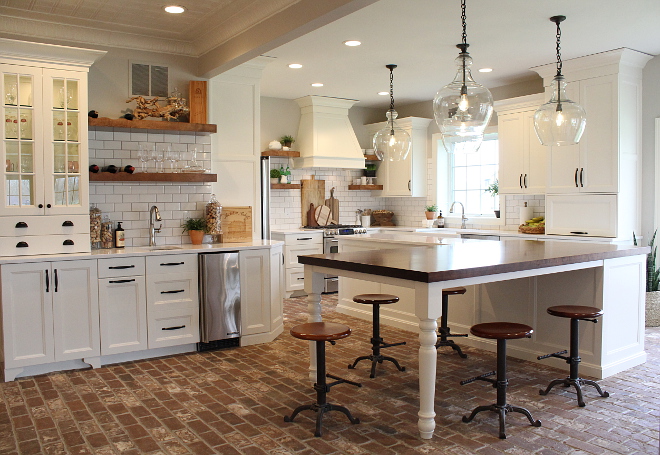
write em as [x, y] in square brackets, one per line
[325, 135]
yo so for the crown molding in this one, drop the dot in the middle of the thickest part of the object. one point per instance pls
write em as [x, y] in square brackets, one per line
[25, 51]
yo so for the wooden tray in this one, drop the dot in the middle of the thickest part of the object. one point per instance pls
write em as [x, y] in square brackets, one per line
[531, 229]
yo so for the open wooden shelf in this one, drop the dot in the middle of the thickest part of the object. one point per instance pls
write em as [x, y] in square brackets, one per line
[365, 187]
[289, 153]
[151, 177]
[152, 125]
[371, 158]
[285, 186]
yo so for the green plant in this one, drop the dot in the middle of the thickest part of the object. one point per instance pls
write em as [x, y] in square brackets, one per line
[194, 224]
[285, 171]
[287, 138]
[275, 173]
[370, 167]
[431, 208]
[493, 188]
[652, 271]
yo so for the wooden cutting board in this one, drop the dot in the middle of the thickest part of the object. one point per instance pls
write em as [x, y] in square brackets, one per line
[236, 224]
[333, 204]
[322, 215]
[312, 192]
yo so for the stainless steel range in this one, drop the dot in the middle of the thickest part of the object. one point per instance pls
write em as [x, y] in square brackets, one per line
[331, 245]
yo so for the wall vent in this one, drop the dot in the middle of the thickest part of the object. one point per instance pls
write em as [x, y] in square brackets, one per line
[149, 80]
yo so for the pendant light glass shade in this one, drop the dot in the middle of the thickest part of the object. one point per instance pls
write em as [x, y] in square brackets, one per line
[392, 142]
[462, 110]
[560, 121]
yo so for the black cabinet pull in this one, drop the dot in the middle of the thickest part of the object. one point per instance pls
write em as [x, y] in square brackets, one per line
[68, 242]
[171, 263]
[576, 171]
[581, 174]
[177, 327]
[48, 206]
[301, 278]
[41, 206]
[21, 224]
[525, 180]
[68, 224]
[305, 238]
[47, 282]
[409, 185]
[172, 292]
[57, 281]
[122, 281]
[119, 267]
[520, 180]
[22, 245]
[578, 232]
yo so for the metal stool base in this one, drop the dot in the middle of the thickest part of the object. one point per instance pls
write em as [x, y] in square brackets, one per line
[577, 383]
[375, 359]
[502, 411]
[321, 409]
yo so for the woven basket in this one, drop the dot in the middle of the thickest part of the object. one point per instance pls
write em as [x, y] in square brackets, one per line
[531, 229]
[383, 217]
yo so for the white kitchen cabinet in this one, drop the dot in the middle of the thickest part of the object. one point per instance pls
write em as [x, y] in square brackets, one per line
[172, 300]
[406, 177]
[122, 305]
[49, 314]
[297, 244]
[522, 165]
[44, 141]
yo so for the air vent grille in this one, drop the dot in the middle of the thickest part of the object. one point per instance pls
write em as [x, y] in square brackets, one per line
[149, 80]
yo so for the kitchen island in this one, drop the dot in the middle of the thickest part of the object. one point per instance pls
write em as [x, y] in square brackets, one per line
[609, 276]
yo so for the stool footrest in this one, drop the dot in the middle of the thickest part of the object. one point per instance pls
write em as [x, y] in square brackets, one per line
[341, 381]
[389, 345]
[447, 333]
[556, 354]
[481, 377]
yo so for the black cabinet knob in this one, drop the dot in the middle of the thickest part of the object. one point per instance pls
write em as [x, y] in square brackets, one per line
[41, 206]
[48, 206]
[21, 224]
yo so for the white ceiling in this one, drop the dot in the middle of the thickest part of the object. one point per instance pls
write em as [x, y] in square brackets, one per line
[418, 35]
[509, 36]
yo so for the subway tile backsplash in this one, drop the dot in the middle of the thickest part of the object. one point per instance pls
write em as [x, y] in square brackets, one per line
[130, 202]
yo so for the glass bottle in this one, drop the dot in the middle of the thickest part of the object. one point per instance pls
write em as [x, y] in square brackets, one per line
[106, 232]
[213, 216]
[95, 227]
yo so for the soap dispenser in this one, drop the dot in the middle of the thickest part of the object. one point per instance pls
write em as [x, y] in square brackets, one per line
[119, 236]
[439, 221]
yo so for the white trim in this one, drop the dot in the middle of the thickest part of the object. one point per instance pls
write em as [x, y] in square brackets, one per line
[656, 216]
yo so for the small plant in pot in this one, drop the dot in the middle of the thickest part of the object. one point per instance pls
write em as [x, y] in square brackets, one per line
[370, 170]
[287, 140]
[494, 190]
[275, 175]
[196, 227]
[431, 211]
[652, 284]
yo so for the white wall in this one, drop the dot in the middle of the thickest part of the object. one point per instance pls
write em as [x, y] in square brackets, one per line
[650, 111]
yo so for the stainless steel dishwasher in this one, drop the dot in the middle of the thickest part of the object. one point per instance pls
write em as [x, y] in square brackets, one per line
[220, 300]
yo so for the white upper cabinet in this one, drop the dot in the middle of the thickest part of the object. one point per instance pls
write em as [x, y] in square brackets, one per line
[522, 167]
[406, 177]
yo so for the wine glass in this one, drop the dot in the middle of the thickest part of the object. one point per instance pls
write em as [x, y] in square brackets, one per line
[162, 154]
[173, 157]
[143, 156]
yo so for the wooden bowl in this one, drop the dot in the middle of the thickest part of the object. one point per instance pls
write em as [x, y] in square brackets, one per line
[531, 229]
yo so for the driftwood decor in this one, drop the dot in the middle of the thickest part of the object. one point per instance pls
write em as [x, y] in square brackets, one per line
[175, 107]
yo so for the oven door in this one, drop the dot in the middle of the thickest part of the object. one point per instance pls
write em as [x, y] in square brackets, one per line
[330, 245]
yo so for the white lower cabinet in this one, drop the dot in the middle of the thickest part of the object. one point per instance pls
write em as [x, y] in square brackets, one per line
[122, 305]
[297, 244]
[49, 313]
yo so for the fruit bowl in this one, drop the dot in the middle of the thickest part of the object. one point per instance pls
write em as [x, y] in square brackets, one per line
[531, 229]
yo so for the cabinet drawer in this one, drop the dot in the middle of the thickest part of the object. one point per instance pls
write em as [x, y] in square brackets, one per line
[172, 292]
[292, 252]
[18, 226]
[295, 279]
[116, 267]
[173, 328]
[172, 263]
[588, 215]
[44, 244]
[304, 238]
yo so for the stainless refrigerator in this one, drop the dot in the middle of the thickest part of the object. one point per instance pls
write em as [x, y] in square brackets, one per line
[220, 300]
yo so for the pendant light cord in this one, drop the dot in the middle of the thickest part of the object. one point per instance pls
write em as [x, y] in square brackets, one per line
[391, 68]
[464, 20]
[558, 77]
[464, 44]
[559, 62]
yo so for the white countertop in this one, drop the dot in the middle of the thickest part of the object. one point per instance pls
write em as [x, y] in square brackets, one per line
[143, 251]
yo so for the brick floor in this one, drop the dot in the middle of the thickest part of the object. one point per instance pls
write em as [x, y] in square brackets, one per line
[232, 402]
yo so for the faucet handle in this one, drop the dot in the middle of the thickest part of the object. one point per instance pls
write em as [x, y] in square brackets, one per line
[159, 228]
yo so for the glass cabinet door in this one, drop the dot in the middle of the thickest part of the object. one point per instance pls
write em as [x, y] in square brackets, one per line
[22, 185]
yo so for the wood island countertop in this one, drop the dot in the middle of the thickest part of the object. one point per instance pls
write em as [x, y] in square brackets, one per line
[462, 258]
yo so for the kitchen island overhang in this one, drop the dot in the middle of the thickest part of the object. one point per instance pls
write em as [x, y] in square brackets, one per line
[611, 277]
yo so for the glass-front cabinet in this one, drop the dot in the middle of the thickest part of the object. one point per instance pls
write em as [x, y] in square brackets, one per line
[44, 141]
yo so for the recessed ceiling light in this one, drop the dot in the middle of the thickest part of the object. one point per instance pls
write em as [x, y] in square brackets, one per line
[174, 9]
[485, 70]
[295, 65]
[383, 93]
[352, 43]
[317, 84]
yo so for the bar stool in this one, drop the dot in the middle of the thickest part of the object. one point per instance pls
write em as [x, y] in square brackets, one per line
[376, 300]
[500, 331]
[576, 313]
[320, 332]
[444, 332]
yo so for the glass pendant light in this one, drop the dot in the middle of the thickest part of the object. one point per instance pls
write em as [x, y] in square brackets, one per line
[392, 142]
[462, 108]
[560, 121]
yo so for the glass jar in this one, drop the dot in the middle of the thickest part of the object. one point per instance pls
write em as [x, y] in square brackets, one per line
[106, 233]
[95, 227]
[213, 214]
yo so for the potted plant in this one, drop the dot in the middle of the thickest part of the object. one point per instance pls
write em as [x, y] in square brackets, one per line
[196, 227]
[652, 284]
[275, 175]
[431, 211]
[285, 173]
[287, 140]
[370, 170]
[494, 190]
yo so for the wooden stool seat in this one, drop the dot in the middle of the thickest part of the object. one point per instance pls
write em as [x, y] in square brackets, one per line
[321, 331]
[454, 291]
[575, 311]
[444, 331]
[375, 299]
[377, 343]
[500, 331]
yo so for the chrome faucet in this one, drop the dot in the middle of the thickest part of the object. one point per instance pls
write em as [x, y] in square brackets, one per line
[463, 217]
[154, 215]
